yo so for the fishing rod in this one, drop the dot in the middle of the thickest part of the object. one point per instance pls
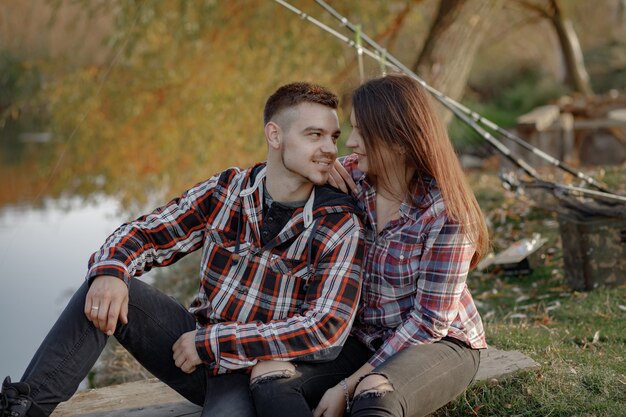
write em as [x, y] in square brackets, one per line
[398, 66]
[333, 32]
[449, 103]
[506, 152]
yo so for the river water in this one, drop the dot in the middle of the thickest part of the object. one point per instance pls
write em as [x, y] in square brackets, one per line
[43, 258]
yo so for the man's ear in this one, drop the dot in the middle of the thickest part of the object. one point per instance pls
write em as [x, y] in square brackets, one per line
[273, 135]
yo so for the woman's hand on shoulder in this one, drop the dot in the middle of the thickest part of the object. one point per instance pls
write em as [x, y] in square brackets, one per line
[340, 178]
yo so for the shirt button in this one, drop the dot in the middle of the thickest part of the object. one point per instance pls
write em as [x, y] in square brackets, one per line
[305, 287]
[401, 257]
[271, 219]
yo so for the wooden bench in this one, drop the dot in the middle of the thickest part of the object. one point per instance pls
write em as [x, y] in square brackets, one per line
[152, 398]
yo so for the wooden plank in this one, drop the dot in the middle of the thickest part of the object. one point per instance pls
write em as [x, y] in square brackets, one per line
[180, 409]
[497, 364]
[617, 114]
[152, 398]
[137, 399]
[539, 118]
[598, 123]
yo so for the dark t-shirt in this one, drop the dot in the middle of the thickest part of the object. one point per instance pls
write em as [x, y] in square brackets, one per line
[275, 216]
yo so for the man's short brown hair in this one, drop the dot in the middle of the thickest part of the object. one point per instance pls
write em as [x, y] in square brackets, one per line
[290, 95]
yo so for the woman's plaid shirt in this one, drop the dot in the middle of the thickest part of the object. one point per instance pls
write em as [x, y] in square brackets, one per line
[294, 298]
[414, 288]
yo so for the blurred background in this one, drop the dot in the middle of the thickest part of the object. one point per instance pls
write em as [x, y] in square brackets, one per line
[108, 108]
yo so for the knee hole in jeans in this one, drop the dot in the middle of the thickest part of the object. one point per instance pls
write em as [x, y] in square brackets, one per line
[271, 376]
[372, 385]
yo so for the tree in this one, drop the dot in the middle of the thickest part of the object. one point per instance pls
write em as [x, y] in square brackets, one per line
[458, 30]
[177, 100]
[181, 98]
[576, 75]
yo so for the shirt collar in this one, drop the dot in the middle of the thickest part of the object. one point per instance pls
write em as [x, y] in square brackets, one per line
[258, 185]
[410, 207]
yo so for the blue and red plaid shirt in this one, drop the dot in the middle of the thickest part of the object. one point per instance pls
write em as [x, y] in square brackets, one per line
[414, 277]
[293, 298]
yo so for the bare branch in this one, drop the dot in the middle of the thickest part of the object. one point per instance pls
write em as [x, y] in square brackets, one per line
[534, 7]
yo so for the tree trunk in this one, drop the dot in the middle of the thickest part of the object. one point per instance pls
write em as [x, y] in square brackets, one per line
[575, 72]
[448, 54]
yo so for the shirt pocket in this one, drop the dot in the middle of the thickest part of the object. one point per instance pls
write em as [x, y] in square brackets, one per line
[226, 242]
[291, 285]
[401, 264]
[296, 268]
[221, 254]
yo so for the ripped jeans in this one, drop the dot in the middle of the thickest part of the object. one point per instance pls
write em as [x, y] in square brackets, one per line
[155, 322]
[422, 379]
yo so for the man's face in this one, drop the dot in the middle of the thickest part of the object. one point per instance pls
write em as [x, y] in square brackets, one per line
[309, 144]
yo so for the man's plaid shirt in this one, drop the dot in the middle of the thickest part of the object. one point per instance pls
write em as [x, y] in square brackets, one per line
[414, 288]
[294, 298]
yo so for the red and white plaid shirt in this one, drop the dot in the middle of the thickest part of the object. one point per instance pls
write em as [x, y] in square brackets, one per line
[293, 298]
[414, 288]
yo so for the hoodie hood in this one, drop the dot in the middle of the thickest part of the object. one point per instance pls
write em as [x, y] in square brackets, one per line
[325, 199]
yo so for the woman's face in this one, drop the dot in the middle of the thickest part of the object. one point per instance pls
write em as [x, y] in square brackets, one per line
[356, 144]
[392, 160]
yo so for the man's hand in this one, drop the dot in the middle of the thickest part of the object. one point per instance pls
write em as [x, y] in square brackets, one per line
[185, 354]
[340, 178]
[332, 404]
[106, 303]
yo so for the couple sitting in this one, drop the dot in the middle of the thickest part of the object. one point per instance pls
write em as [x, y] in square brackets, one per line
[314, 299]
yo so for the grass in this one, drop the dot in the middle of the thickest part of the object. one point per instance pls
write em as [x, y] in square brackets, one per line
[579, 346]
[578, 338]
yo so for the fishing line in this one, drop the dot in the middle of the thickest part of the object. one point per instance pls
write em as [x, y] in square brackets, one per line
[449, 102]
[469, 117]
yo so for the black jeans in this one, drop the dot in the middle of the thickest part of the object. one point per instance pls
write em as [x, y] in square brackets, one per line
[155, 322]
[423, 377]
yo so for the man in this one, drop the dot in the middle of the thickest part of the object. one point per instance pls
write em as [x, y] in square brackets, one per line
[279, 277]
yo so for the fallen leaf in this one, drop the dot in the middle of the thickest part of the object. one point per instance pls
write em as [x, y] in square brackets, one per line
[554, 306]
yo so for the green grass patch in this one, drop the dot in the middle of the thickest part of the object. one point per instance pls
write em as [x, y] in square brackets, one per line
[577, 338]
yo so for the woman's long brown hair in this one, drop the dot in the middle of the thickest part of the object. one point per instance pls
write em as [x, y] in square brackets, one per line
[396, 112]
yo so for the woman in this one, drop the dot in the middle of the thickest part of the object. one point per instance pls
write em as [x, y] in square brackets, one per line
[415, 341]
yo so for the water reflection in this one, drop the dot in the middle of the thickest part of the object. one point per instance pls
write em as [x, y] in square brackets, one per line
[61, 195]
[43, 258]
